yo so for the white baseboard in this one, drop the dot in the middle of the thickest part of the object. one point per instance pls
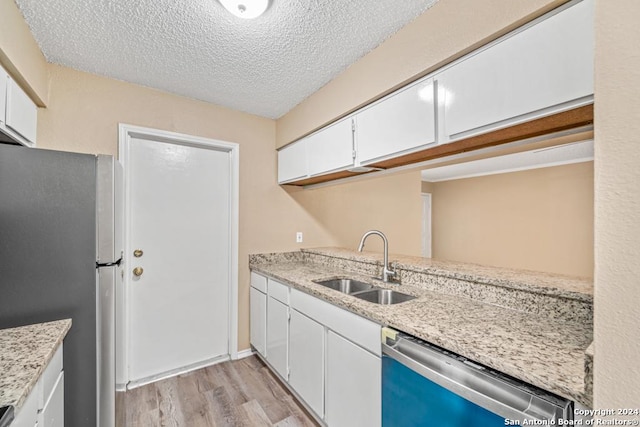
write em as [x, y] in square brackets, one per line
[178, 371]
[244, 353]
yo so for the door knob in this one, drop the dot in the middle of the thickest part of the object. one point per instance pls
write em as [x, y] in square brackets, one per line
[138, 271]
[137, 253]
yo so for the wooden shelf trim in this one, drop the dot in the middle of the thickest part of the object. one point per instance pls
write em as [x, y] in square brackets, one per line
[565, 120]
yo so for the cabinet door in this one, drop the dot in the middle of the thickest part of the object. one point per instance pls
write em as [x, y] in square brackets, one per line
[331, 148]
[258, 322]
[306, 360]
[22, 113]
[530, 74]
[4, 81]
[52, 415]
[353, 385]
[292, 162]
[278, 336]
[27, 416]
[400, 123]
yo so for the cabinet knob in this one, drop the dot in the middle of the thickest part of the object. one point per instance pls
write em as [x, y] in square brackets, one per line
[138, 253]
[138, 271]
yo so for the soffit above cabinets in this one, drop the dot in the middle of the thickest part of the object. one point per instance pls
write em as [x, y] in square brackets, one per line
[577, 152]
[196, 48]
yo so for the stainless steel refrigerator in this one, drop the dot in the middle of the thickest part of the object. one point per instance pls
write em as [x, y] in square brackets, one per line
[60, 257]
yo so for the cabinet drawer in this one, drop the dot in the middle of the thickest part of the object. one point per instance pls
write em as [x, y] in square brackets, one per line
[259, 282]
[50, 377]
[52, 415]
[278, 291]
[361, 331]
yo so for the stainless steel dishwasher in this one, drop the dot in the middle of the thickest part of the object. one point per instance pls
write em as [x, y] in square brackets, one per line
[424, 385]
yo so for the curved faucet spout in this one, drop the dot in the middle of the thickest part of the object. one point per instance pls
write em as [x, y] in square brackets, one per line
[386, 271]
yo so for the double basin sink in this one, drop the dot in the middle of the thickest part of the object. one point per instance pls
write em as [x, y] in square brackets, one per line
[365, 291]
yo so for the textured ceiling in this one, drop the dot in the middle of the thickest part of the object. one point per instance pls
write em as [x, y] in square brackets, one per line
[196, 48]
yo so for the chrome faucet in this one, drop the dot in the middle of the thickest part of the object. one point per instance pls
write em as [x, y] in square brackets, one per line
[386, 271]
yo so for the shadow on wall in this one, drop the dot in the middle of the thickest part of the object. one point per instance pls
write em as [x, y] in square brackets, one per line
[540, 219]
[389, 203]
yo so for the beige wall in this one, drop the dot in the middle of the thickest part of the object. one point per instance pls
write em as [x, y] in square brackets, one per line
[20, 54]
[617, 199]
[444, 32]
[391, 204]
[83, 116]
[539, 219]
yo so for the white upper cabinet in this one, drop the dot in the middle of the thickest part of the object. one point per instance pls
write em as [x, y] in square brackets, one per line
[292, 162]
[4, 81]
[330, 149]
[22, 113]
[399, 123]
[543, 69]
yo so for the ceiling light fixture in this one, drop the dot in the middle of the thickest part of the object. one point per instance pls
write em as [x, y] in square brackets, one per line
[247, 9]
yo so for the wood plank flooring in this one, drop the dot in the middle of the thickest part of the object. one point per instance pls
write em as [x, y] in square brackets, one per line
[236, 393]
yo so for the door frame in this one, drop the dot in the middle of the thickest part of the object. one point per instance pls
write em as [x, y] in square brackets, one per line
[126, 133]
[427, 238]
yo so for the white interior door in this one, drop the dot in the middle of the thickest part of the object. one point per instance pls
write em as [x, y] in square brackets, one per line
[179, 211]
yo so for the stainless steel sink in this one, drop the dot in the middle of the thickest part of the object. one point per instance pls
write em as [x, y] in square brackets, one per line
[383, 296]
[346, 286]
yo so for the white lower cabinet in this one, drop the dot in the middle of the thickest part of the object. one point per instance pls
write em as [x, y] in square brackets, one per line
[306, 360]
[543, 69]
[44, 407]
[27, 416]
[353, 385]
[278, 336]
[52, 414]
[329, 356]
[258, 321]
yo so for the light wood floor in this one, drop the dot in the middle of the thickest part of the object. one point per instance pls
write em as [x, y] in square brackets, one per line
[237, 393]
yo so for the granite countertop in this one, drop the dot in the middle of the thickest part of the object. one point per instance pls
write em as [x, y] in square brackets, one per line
[545, 283]
[25, 352]
[542, 351]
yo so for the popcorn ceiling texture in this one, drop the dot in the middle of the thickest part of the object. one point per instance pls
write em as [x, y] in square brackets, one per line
[197, 49]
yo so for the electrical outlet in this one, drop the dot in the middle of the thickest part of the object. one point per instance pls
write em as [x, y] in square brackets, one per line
[299, 237]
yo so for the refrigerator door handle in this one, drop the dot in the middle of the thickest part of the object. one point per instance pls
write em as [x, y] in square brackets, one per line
[109, 264]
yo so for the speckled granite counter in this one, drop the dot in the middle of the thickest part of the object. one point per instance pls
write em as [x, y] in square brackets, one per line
[538, 346]
[25, 352]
